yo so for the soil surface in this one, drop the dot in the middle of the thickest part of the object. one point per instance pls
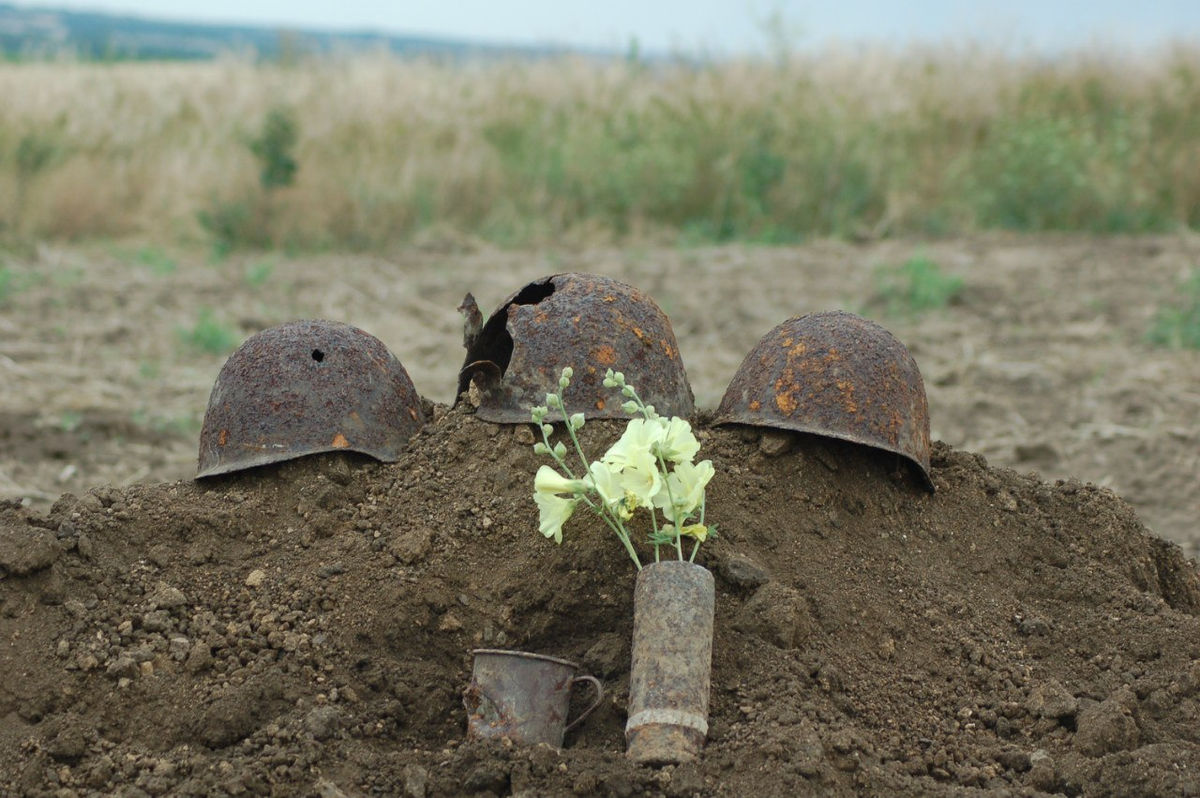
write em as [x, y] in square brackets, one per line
[306, 628]
[1041, 364]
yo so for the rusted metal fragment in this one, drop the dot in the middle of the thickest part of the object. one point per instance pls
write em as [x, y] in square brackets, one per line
[838, 375]
[586, 321]
[671, 672]
[307, 387]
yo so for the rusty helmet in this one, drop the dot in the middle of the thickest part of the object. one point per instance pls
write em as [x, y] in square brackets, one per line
[307, 387]
[837, 375]
[586, 321]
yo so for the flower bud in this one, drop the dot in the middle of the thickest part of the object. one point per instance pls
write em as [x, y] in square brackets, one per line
[630, 407]
[577, 421]
[628, 391]
[560, 450]
[541, 448]
[547, 429]
[568, 373]
[552, 400]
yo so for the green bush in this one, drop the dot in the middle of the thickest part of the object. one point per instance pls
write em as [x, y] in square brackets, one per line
[1032, 174]
[275, 148]
[234, 223]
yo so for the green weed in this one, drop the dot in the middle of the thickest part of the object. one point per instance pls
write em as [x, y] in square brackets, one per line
[1178, 326]
[208, 335]
[258, 273]
[7, 284]
[156, 260]
[185, 425]
[70, 420]
[916, 286]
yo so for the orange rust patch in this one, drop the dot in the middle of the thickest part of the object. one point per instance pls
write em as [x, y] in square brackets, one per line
[641, 336]
[599, 404]
[339, 441]
[670, 350]
[755, 405]
[412, 413]
[606, 355]
[609, 298]
[786, 342]
[786, 402]
[847, 389]
[224, 436]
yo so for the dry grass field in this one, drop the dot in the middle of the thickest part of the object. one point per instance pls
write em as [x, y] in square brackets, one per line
[368, 152]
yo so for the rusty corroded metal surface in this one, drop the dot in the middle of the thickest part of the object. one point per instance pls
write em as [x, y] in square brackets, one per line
[524, 697]
[307, 387]
[838, 375]
[588, 322]
[671, 673]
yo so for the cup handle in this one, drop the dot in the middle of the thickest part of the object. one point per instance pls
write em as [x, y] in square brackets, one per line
[599, 697]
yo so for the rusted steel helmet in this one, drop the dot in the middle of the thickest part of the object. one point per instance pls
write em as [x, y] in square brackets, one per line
[586, 321]
[838, 375]
[306, 387]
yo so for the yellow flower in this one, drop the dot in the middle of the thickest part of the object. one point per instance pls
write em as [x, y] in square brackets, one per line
[686, 484]
[697, 531]
[553, 512]
[678, 444]
[551, 482]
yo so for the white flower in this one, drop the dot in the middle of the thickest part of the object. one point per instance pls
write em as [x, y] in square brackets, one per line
[624, 489]
[553, 512]
[678, 443]
[640, 478]
[550, 482]
[639, 438]
[607, 481]
[686, 484]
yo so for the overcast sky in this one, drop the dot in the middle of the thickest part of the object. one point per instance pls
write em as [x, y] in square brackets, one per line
[716, 26]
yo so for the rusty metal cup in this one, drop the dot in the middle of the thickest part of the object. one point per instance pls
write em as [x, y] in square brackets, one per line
[524, 697]
[671, 673]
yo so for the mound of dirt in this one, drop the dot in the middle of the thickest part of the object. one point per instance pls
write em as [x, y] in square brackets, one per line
[306, 628]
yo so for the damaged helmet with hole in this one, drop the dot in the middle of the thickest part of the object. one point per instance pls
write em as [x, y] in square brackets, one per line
[586, 321]
[303, 388]
[837, 375]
